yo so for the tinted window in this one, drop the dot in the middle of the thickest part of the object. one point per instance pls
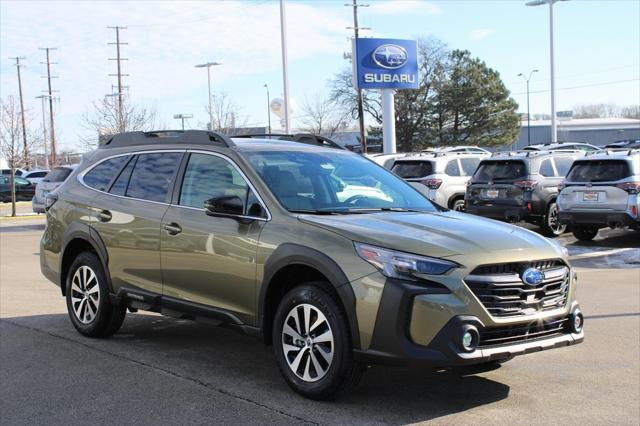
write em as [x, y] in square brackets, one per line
[546, 168]
[412, 169]
[599, 171]
[333, 181]
[101, 175]
[563, 164]
[469, 165]
[208, 176]
[36, 175]
[452, 168]
[22, 181]
[59, 174]
[500, 170]
[119, 187]
[4, 180]
[152, 176]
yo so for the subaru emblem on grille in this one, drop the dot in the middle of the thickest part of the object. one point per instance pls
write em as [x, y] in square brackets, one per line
[532, 276]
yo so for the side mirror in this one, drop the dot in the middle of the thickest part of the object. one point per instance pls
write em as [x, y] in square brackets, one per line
[228, 205]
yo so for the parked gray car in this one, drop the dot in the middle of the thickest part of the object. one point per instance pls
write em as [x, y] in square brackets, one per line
[601, 190]
[51, 181]
[444, 174]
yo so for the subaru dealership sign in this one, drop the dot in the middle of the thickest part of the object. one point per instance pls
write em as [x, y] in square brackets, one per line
[386, 64]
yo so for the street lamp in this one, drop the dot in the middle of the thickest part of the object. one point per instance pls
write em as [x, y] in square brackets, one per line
[182, 117]
[528, 113]
[208, 66]
[268, 108]
[554, 128]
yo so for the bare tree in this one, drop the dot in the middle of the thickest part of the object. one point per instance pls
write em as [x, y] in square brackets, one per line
[106, 119]
[11, 146]
[631, 111]
[323, 116]
[226, 114]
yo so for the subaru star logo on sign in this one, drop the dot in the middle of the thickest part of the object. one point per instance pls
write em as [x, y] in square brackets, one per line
[532, 276]
[386, 64]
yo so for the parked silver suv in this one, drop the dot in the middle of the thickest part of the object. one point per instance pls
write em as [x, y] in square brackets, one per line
[601, 190]
[445, 174]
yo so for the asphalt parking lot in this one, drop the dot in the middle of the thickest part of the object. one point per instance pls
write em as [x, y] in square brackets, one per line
[164, 371]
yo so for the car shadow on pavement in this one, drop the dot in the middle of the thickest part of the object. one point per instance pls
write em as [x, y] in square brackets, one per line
[227, 362]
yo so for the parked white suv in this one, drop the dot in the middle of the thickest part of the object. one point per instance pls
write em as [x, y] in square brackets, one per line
[49, 183]
[445, 174]
[601, 190]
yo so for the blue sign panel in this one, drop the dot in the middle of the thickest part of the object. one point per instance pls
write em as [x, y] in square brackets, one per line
[386, 63]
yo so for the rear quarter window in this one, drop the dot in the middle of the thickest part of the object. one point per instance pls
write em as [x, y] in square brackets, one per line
[500, 170]
[412, 169]
[599, 171]
[101, 175]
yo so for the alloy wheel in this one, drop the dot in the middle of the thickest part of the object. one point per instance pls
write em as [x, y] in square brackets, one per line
[307, 342]
[85, 294]
[554, 221]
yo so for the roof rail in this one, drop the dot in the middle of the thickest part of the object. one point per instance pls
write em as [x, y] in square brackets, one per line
[168, 137]
[307, 138]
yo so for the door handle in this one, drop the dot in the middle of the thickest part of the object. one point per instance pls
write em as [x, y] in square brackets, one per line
[172, 228]
[104, 216]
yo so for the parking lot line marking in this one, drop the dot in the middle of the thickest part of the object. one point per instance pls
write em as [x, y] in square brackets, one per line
[601, 253]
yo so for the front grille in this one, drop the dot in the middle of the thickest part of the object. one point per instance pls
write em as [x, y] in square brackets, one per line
[511, 334]
[501, 290]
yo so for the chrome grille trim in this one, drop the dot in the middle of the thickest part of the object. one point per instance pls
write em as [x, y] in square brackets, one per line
[506, 295]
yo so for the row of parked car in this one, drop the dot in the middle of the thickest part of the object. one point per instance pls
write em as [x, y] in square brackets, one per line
[555, 186]
[33, 185]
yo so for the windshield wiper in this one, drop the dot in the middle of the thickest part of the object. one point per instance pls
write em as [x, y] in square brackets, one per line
[319, 212]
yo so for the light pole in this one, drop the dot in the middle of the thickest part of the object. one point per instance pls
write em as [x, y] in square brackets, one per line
[285, 67]
[554, 127]
[182, 117]
[528, 112]
[208, 66]
[44, 131]
[268, 108]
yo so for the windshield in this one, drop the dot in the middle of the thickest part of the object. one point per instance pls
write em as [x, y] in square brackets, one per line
[500, 170]
[598, 171]
[336, 182]
[413, 169]
[58, 174]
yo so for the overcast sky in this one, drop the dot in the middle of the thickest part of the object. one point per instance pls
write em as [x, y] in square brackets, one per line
[597, 42]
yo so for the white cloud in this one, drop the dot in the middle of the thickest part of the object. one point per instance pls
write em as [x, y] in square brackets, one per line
[415, 7]
[481, 34]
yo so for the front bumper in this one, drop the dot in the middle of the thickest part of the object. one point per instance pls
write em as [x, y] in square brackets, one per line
[392, 342]
[600, 219]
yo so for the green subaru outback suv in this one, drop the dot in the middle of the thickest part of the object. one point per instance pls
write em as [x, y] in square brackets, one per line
[330, 258]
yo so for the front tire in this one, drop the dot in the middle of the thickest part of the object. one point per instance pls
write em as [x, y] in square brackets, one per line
[585, 233]
[312, 344]
[551, 227]
[87, 294]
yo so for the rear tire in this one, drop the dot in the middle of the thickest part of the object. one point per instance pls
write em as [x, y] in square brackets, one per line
[585, 233]
[551, 226]
[458, 205]
[87, 293]
[315, 359]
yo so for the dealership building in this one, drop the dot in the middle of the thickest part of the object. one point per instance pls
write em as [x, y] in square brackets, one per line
[596, 131]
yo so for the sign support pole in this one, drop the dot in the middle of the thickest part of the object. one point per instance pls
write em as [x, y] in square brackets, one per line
[388, 122]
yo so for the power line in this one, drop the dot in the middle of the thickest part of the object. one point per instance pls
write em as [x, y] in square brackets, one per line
[119, 59]
[606, 83]
[24, 125]
[54, 160]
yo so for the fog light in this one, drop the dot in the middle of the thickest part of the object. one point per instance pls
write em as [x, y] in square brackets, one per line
[469, 338]
[577, 321]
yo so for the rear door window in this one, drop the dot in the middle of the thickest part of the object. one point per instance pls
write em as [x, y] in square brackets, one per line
[599, 171]
[153, 175]
[452, 168]
[413, 169]
[469, 165]
[101, 175]
[59, 174]
[500, 170]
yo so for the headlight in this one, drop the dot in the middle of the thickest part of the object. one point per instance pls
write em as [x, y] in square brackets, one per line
[563, 250]
[396, 264]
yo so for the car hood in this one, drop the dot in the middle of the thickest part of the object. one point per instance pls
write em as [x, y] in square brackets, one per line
[440, 234]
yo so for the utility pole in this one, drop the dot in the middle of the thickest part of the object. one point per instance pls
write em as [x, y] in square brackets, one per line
[268, 108]
[118, 58]
[54, 159]
[285, 67]
[27, 161]
[356, 28]
[44, 132]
